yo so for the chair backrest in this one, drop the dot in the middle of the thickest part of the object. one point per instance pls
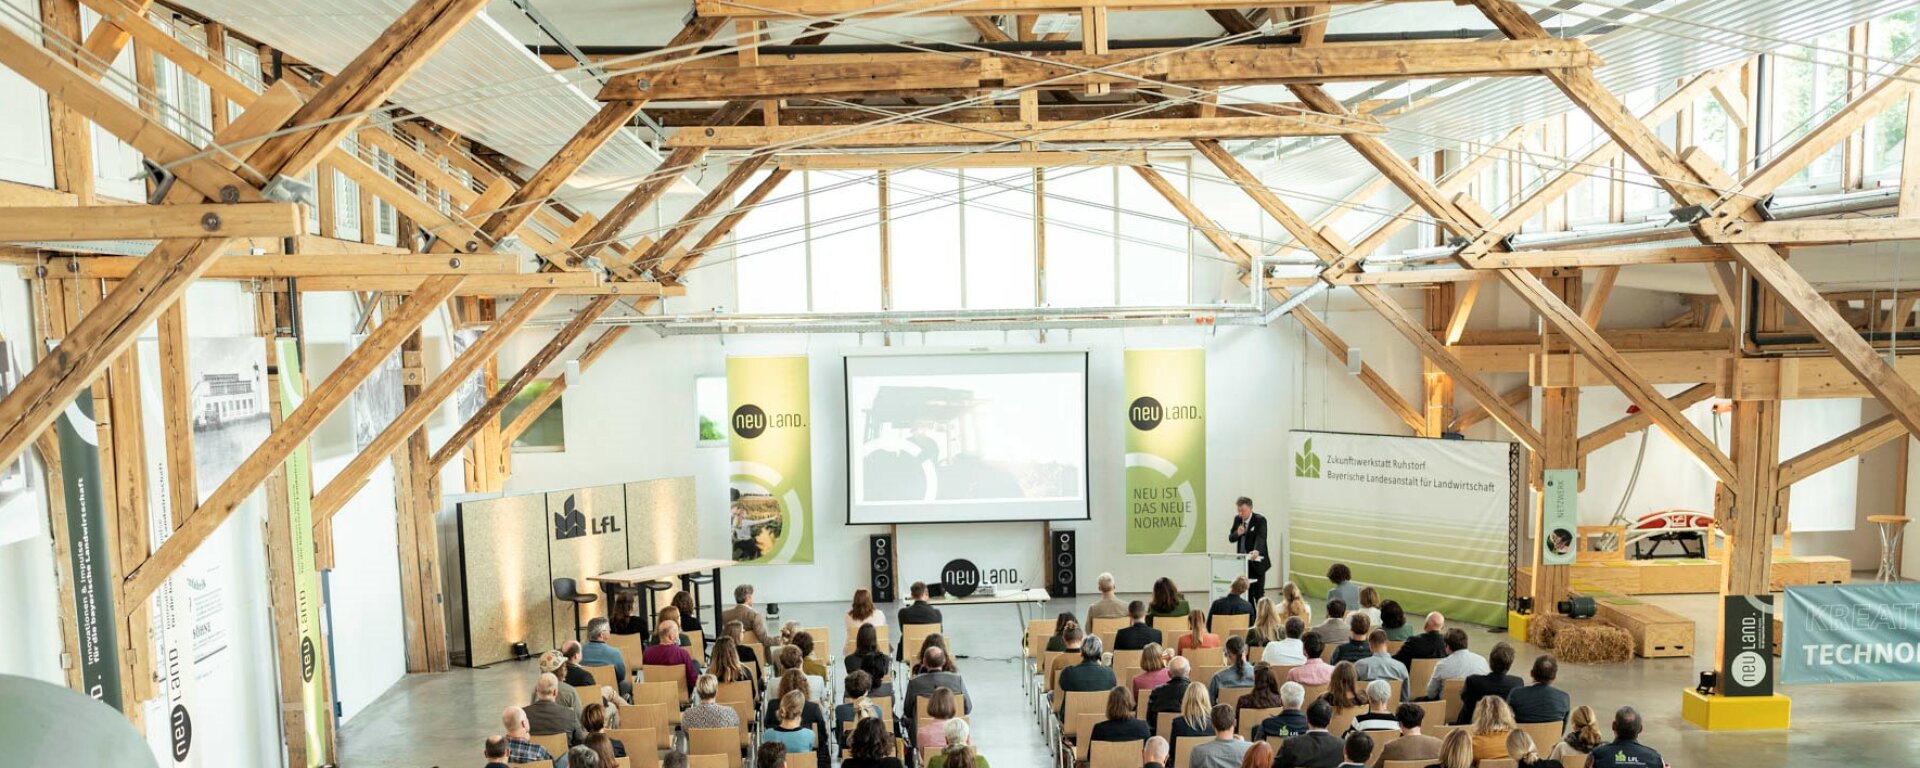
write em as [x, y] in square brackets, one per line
[1170, 638]
[1436, 714]
[650, 717]
[666, 673]
[1080, 729]
[959, 705]
[912, 636]
[1203, 674]
[1315, 691]
[630, 649]
[1231, 696]
[565, 588]
[1279, 672]
[538, 764]
[1420, 674]
[1123, 658]
[738, 690]
[1327, 652]
[1140, 701]
[1251, 718]
[1342, 721]
[1438, 731]
[1505, 762]
[1167, 623]
[556, 743]
[697, 645]
[589, 694]
[603, 674]
[1084, 702]
[1231, 624]
[1206, 657]
[880, 633]
[1405, 763]
[822, 643]
[1254, 652]
[1124, 675]
[715, 741]
[1117, 754]
[640, 744]
[1057, 662]
[1450, 693]
[707, 761]
[1163, 724]
[743, 710]
[1274, 742]
[1380, 741]
[1106, 627]
[1393, 646]
[1183, 750]
[1545, 735]
[885, 703]
[1038, 632]
[664, 694]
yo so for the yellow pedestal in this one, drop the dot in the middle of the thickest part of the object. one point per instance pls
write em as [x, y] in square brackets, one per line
[1736, 713]
[1517, 625]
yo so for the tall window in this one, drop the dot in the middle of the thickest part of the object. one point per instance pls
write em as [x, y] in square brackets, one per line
[843, 240]
[1082, 253]
[1892, 37]
[770, 251]
[997, 229]
[1807, 87]
[925, 241]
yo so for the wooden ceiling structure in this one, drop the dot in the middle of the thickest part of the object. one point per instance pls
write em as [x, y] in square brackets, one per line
[986, 99]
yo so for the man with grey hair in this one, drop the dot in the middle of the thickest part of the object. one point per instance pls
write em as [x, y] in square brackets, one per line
[1292, 719]
[520, 749]
[1168, 696]
[744, 612]
[1108, 606]
[666, 651]
[1154, 754]
[1089, 674]
[546, 717]
[581, 757]
[598, 653]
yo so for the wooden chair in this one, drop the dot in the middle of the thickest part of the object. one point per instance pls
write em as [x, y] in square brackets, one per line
[913, 636]
[589, 694]
[745, 713]
[886, 710]
[1163, 724]
[1117, 754]
[1435, 714]
[1274, 743]
[1439, 731]
[1038, 631]
[649, 717]
[1167, 624]
[538, 764]
[1231, 696]
[662, 693]
[1406, 763]
[697, 645]
[821, 642]
[715, 741]
[1279, 672]
[1105, 628]
[1125, 675]
[1202, 675]
[1080, 703]
[1380, 741]
[1393, 646]
[603, 674]
[629, 648]
[1206, 657]
[640, 744]
[959, 705]
[1232, 624]
[1057, 662]
[1254, 652]
[556, 743]
[1079, 730]
[666, 673]
[1342, 720]
[880, 632]
[1450, 691]
[738, 690]
[1505, 762]
[1140, 704]
[1183, 751]
[1170, 638]
[707, 761]
[1123, 659]
[1419, 675]
[1250, 718]
[1315, 691]
[1545, 735]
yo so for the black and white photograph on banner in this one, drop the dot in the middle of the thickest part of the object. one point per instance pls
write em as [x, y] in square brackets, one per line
[378, 400]
[229, 398]
[473, 391]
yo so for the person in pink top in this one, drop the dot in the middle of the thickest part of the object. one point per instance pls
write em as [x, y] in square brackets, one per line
[1316, 671]
[932, 733]
[667, 650]
[1153, 669]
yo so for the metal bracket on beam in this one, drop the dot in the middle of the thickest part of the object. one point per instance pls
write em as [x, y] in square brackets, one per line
[162, 181]
[286, 189]
[1690, 214]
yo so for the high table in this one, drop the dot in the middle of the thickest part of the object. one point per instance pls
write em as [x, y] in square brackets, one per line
[636, 577]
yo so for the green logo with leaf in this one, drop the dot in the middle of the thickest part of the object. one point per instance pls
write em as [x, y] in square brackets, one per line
[1306, 463]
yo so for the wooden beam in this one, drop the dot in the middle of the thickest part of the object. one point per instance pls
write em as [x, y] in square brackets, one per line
[1596, 303]
[659, 257]
[511, 388]
[560, 283]
[292, 433]
[1196, 218]
[107, 39]
[787, 9]
[881, 74]
[1606, 257]
[1824, 456]
[176, 401]
[1476, 414]
[989, 32]
[1451, 184]
[1423, 340]
[150, 222]
[841, 161]
[1815, 143]
[751, 137]
[992, 112]
[1369, 377]
[1292, 222]
[354, 474]
[1627, 425]
[1462, 311]
[1749, 527]
[1233, 21]
[300, 265]
[1821, 231]
[70, 136]
[611, 226]
[726, 224]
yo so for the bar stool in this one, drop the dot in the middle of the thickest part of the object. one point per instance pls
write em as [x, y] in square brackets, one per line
[1891, 527]
[648, 590]
[692, 582]
[566, 589]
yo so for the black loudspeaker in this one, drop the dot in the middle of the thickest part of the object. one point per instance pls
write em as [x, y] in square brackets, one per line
[880, 560]
[1061, 564]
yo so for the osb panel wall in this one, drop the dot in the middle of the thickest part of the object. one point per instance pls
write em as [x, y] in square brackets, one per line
[663, 521]
[589, 528]
[505, 569]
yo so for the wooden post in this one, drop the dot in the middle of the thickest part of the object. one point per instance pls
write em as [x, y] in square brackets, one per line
[1436, 387]
[71, 134]
[1560, 429]
[1749, 528]
[416, 495]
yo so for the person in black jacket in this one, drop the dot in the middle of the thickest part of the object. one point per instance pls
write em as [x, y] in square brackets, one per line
[1316, 748]
[1540, 702]
[866, 656]
[1137, 635]
[917, 612]
[1249, 537]
[1429, 644]
[1231, 604]
[1120, 724]
[1168, 696]
[1496, 683]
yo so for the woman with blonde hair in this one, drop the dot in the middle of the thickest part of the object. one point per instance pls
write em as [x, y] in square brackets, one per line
[1343, 688]
[1492, 721]
[1294, 604]
[958, 752]
[1370, 605]
[1196, 715]
[1583, 734]
[812, 717]
[1153, 669]
[1521, 748]
[1197, 635]
[1267, 624]
[1456, 750]
[790, 732]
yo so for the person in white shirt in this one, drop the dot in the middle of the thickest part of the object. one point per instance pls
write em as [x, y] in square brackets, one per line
[1458, 665]
[1287, 651]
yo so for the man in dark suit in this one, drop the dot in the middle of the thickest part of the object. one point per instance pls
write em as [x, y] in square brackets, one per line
[1089, 674]
[926, 683]
[1166, 698]
[1249, 537]
[1316, 748]
[1430, 644]
[917, 612]
[1137, 635]
[1540, 702]
[1231, 604]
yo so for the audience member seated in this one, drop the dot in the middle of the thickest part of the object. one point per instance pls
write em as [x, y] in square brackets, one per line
[1237, 673]
[1057, 642]
[788, 631]
[546, 717]
[581, 756]
[1343, 688]
[495, 752]
[1314, 749]
[1153, 754]
[602, 746]
[1456, 750]
[1234, 603]
[1226, 749]
[1266, 689]
[919, 611]
[552, 662]
[1108, 606]
[770, 754]
[1293, 604]
[593, 721]
[1197, 635]
[1583, 734]
[1153, 670]
[1412, 744]
[521, 749]
[1496, 683]
[1089, 674]
[858, 704]
[1393, 620]
[1521, 748]
[1370, 605]
[1288, 650]
[862, 613]
[1167, 600]
[1379, 715]
[744, 612]
[1344, 589]
[1260, 755]
[668, 652]
[1267, 626]
[924, 685]
[816, 669]
[689, 615]
[624, 615]
[1358, 746]
[706, 712]
[867, 656]
[1492, 721]
[935, 640]
[1355, 648]
[1314, 671]
[575, 674]
[1120, 724]
[727, 667]
[1335, 629]
[1625, 751]
[674, 758]
[872, 746]
[1168, 697]
[1138, 634]
[811, 715]
[958, 752]
[1540, 702]
[1380, 665]
[737, 632]
[790, 731]
[1459, 663]
[1072, 638]
[1196, 716]
[930, 734]
[1431, 643]
[670, 613]
[1292, 720]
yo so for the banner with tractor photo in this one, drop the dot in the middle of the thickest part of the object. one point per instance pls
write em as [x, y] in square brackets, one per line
[770, 447]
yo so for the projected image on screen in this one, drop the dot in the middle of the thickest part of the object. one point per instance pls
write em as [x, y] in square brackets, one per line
[965, 438]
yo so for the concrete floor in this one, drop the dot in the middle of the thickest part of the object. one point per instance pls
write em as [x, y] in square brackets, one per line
[440, 720]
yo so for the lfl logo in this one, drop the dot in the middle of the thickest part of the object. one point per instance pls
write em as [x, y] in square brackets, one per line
[571, 523]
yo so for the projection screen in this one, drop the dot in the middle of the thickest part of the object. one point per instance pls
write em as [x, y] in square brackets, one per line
[966, 437]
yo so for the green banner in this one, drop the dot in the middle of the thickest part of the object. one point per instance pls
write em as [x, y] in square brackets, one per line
[1166, 396]
[770, 444]
[1560, 517]
[306, 579]
[89, 546]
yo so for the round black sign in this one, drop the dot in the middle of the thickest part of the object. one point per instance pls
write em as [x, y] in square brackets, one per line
[960, 577]
[1144, 413]
[749, 421]
[182, 728]
[306, 659]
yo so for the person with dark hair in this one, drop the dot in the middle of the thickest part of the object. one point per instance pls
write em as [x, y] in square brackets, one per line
[602, 746]
[771, 754]
[1459, 664]
[1540, 702]
[689, 613]
[1625, 751]
[1288, 649]
[858, 703]
[1429, 644]
[1314, 749]
[1138, 634]
[935, 640]
[495, 752]
[1380, 665]
[1344, 589]
[866, 654]
[1120, 724]
[1249, 537]
[1237, 673]
[1393, 620]
[1266, 689]
[871, 746]
[1233, 603]
[743, 612]
[1334, 630]
[1089, 674]
[1412, 744]
[1359, 747]
[1316, 671]
[918, 612]
[1057, 642]
[593, 720]
[1355, 648]
[1167, 600]
[1496, 682]
[571, 672]
[1226, 748]
[863, 612]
